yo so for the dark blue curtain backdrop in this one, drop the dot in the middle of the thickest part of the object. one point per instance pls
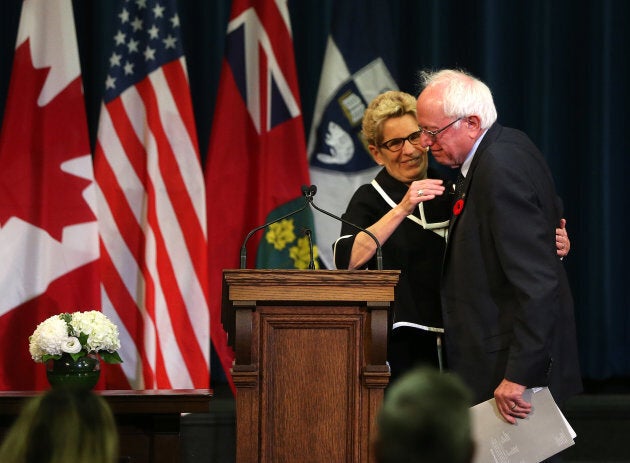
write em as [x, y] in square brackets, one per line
[558, 70]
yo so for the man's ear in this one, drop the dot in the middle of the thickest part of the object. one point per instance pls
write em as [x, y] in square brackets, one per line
[473, 125]
[473, 122]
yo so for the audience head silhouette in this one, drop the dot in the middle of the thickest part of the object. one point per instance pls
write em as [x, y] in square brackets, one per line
[425, 417]
[62, 426]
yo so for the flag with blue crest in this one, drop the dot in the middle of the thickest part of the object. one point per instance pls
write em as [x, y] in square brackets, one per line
[358, 65]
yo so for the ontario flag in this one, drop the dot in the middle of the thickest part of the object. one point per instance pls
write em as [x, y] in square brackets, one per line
[151, 205]
[48, 232]
[257, 153]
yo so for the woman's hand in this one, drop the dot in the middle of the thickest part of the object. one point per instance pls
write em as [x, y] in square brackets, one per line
[420, 191]
[563, 244]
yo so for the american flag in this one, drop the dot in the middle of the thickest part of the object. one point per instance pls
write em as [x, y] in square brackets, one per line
[151, 205]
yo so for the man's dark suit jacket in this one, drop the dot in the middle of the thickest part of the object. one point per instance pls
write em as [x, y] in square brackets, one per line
[507, 305]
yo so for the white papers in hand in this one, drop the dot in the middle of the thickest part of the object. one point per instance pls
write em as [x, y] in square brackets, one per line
[542, 434]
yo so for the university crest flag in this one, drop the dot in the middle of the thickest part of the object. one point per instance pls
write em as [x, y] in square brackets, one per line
[151, 205]
[257, 152]
[48, 232]
[358, 65]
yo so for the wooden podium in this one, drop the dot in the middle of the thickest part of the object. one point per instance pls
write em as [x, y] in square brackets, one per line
[310, 367]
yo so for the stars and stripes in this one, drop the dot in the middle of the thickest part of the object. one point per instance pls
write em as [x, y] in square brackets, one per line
[147, 37]
[151, 204]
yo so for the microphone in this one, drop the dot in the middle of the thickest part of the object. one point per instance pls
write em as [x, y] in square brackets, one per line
[309, 192]
[311, 262]
[249, 235]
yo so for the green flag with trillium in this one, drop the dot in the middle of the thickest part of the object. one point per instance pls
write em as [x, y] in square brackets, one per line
[285, 244]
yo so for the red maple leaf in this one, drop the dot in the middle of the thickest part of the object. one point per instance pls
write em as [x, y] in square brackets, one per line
[34, 142]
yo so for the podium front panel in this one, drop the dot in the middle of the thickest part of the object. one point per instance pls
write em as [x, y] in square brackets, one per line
[309, 373]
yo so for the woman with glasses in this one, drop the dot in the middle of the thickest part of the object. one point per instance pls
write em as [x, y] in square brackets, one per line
[407, 207]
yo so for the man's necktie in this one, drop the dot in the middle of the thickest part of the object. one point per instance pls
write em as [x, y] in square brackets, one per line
[459, 184]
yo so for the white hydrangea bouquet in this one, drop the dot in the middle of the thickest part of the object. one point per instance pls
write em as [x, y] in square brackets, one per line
[77, 334]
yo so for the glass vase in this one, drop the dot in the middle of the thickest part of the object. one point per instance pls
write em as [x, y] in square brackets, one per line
[82, 373]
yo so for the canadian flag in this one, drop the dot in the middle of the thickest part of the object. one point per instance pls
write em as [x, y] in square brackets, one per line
[48, 233]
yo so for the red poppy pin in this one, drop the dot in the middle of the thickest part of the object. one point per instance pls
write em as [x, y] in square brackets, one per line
[458, 207]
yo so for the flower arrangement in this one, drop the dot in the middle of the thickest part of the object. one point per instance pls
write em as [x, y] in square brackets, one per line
[77, 334]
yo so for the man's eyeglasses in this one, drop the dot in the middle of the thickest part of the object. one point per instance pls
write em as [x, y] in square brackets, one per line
[432, 134]
[396, 144]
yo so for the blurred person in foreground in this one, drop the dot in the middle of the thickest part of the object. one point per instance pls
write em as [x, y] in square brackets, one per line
[506, 301]
[425, 417]
[62, 426]
[407, 207]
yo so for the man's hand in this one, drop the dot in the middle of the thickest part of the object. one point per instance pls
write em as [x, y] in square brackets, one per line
[510, 402]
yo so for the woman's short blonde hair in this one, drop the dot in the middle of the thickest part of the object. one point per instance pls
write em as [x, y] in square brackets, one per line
[389, 104]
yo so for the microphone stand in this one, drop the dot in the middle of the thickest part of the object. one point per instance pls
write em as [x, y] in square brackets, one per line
[310, 192]
[311, 262]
